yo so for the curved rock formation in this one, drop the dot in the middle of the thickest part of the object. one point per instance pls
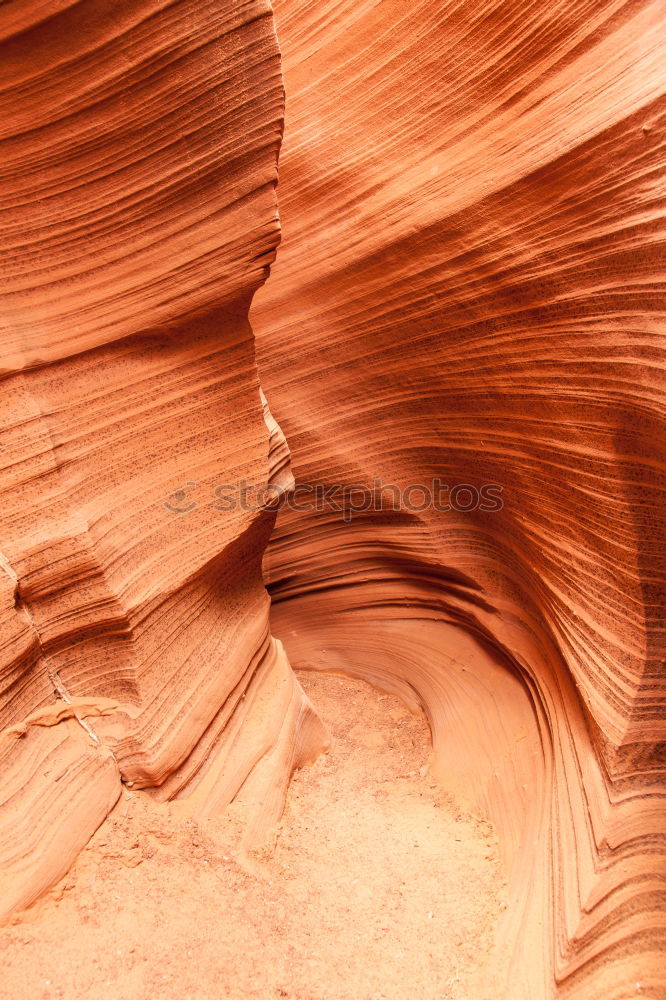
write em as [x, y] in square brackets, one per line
[138, 156]
[471, 198]
[465, 304]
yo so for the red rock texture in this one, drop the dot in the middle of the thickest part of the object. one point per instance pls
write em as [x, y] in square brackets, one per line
[471, 197]
[472, 206]
[138, 157]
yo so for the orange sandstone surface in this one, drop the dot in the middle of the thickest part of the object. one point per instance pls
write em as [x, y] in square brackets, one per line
[468, 292]
[139, 158]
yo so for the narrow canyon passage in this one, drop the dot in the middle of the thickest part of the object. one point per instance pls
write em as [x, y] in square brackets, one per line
[378, 889]
[410, 251]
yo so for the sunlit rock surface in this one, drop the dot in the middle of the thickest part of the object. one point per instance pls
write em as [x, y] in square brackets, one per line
[471, 198]
[138, 154]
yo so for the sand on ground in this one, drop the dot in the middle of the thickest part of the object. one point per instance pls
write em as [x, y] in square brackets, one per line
[378, 887]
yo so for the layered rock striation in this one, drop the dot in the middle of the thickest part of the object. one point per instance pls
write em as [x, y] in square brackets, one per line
[138, 155]
[465, 325]
[468, 295]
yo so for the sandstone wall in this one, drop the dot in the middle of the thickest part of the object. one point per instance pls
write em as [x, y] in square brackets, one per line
[472, 206]
[138, 155]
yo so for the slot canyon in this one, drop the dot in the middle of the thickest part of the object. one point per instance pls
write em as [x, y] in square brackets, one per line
[332, 535]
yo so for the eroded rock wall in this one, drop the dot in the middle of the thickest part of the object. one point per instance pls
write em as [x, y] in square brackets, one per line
[138, 154]
[472, 206]
[471, 196]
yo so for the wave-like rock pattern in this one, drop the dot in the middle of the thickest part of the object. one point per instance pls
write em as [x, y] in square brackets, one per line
[472, 206]
[138, 155]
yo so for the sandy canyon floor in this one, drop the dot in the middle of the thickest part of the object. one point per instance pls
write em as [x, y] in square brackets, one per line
[379, 888]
